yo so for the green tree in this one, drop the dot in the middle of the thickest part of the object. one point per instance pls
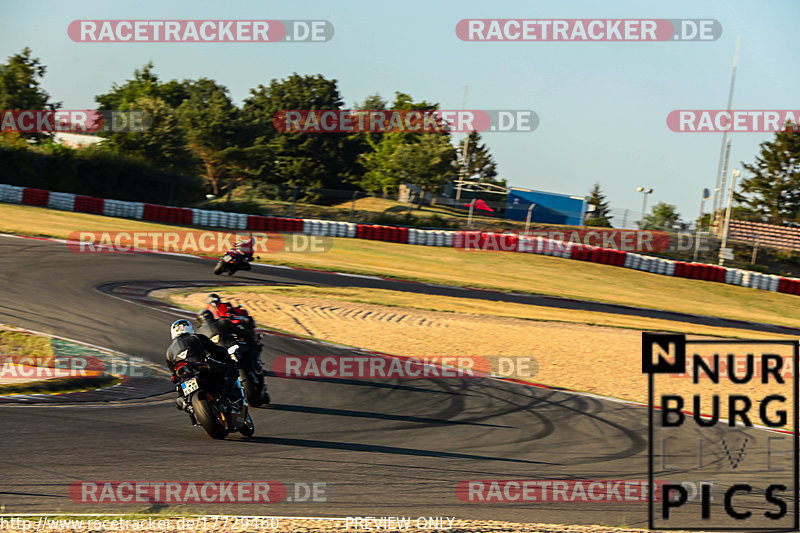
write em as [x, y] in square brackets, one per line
[304, 160]
[772, 192]
[373, 101]
[427, 163]
[163, 141]
[210, 122]
[480, 165]
[663, 216]
[21, 88]
[385, 154]
[382, 172]
[599, 216]
[145, 82]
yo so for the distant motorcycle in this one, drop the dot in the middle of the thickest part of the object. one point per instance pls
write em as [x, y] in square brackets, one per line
[207, 403]
[232, 261]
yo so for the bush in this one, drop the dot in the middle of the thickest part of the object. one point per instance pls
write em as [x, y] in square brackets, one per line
[94, 172]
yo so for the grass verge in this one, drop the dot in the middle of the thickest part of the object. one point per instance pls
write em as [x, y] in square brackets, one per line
[59, 385]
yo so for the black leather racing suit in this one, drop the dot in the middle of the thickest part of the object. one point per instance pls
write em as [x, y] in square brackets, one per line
[228, 334]
[198, 348]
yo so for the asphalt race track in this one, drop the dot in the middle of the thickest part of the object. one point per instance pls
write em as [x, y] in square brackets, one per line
[388, 448]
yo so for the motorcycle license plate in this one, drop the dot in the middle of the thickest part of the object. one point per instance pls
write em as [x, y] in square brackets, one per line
[189, 386]
[226, 258]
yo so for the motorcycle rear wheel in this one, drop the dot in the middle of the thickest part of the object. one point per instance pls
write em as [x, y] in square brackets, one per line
[207, 417]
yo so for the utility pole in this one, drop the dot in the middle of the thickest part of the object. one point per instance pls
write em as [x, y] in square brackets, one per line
[528, 218]
[462, 175]
[717, 188]
[706, 195]
[723, 246]
[724, 176]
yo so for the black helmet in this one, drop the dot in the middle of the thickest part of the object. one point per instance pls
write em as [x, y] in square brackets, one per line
[205, 317]
[213, 298]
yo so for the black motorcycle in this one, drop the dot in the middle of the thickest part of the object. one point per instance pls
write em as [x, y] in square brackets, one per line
[251, 373]
[208, 405]
[251, 370]
[231, 262]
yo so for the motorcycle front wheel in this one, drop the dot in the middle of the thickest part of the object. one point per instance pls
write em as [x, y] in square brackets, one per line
[251, 391]
[248, 428]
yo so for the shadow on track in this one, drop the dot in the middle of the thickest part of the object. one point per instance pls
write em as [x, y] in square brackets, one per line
[379, 416]
[374, 448]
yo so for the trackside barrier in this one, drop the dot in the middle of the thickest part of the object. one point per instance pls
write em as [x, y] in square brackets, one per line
[456, 239]
[88, 204]
[789, 285]
[11, 194]
[35, 197]
[169, 215]
[63, 201]
[120, 209]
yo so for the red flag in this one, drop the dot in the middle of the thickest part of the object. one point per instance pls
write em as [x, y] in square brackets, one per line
[481, 206]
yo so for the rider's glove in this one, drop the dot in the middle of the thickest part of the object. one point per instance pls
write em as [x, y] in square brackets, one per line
[232, 352]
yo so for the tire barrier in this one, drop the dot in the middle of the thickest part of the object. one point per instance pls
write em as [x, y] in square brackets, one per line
[168, 215]
[87, 204]
[11, 194]
[467, 240]
[62, 201]
[35, 197]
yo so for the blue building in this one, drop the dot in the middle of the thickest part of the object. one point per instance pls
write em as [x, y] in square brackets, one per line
[549, 208]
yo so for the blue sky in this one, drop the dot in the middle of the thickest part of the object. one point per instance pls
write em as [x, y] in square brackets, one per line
[602, 105]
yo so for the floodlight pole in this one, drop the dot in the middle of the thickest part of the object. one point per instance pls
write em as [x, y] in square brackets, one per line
[723, 246]
[644, 192]
[717, 189]
[463, 170]
[706, 194]
[469, 218]
[528, 218]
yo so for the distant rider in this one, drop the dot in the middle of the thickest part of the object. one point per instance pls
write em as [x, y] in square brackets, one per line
[237, 314]
[244, 248]
[229, 330]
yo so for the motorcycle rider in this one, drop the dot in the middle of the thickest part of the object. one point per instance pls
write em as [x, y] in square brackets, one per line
[244, 249]
[190, 347]
[228, 333]
[236, 314]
